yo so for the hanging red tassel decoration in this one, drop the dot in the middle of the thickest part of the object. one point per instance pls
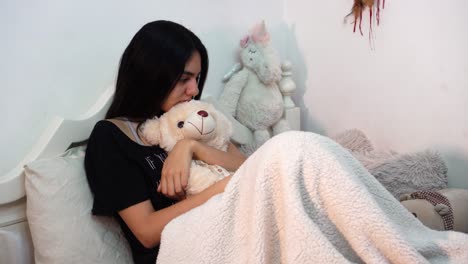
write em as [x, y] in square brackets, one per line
[358, 8]
[378, 12]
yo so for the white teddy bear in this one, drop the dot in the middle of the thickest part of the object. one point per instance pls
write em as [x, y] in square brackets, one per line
[196, 120]
[252, 95]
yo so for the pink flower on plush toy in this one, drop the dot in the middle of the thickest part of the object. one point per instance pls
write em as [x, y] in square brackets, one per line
[258, 34]
[244, 41]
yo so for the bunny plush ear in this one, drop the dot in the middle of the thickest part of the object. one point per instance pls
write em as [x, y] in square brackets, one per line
[260, 34]
[151, 131]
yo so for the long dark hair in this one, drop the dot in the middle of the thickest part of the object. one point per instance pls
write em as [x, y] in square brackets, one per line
[150, 67]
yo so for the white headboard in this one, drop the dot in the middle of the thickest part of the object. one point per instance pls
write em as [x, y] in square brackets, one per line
[55, 139]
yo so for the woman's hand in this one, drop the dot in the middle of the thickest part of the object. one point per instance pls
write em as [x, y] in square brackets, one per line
[176, 169]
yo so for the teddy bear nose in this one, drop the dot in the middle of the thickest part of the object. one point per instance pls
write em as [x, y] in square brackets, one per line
[202, 113]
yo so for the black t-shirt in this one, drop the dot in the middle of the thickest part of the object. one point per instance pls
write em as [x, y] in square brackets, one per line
[122, 173]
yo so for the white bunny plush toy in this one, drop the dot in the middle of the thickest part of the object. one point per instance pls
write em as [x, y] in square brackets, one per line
[195, 120]
[252, 94]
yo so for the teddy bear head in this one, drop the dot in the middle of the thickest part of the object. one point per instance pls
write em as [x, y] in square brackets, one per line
[189, 120]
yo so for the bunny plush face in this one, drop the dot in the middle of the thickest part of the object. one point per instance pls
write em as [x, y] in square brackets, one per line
[259, 56]
[189, 120]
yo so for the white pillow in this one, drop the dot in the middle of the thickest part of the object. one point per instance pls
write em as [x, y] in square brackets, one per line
[59, 206]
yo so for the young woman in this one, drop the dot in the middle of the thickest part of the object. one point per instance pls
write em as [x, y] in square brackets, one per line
[140, 185]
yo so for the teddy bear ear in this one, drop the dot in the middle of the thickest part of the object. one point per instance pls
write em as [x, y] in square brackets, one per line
[442, 209]
[151, 131]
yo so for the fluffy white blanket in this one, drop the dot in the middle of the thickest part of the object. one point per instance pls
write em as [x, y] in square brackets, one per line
[301, 198]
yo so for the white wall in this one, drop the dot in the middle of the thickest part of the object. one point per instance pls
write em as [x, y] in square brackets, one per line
[409, 93]
[58, 56]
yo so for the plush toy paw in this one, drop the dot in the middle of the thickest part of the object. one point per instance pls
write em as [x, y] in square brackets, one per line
[442, 209]
[281, 126]
[405, 197]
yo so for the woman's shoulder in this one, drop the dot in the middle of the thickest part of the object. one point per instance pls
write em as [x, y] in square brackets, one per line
[111, 131]
[104, 127]
[106, 140]
[107, 130]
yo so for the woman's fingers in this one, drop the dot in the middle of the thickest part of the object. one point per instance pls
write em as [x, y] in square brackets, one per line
[178, 188]
[162, 188]
[170, 187]
[174, 176]
[171, 184]
[162, 184]
[184, 180]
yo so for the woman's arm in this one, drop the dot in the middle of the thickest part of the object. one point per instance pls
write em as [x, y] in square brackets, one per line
[147, 224]
[176, 168]
[230, 160]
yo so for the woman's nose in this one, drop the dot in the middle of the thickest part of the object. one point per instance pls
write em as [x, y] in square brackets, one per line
[192, 88]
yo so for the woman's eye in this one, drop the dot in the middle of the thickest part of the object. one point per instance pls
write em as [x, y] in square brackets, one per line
[183, 80]
[180, 124]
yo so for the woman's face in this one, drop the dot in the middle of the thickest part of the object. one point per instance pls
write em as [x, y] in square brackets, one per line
[187, 86]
